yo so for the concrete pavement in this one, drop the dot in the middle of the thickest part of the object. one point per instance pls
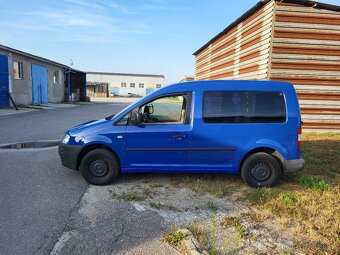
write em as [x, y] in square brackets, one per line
[41, 201]
[30, 108]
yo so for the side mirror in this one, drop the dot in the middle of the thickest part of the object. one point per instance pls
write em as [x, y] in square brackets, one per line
[136, 118]
[148, 109]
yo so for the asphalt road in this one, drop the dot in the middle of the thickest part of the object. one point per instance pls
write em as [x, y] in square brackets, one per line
[40, 200]
[51, 123]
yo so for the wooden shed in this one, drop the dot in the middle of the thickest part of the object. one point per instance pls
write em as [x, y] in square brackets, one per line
[288, 40]
[97, 89]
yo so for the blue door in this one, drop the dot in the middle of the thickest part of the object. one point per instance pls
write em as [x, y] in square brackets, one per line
[39, 84]
[160, 142]
[4, 100]
[213, 146]
[156, 148]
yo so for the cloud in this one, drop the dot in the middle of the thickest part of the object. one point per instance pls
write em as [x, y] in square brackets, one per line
[80, 22]
[121, 8]
[86, 3]
[76, 21]
[69, 18]
[27, 26]
[163, 5]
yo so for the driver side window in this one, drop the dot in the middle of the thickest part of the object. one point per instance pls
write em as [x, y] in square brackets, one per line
[165, 110]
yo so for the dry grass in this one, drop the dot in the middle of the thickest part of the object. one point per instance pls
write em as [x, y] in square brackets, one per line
[312, 214]
[200, 232]
[309, 203]
[218, 185]
[322, 154]
[306, 205]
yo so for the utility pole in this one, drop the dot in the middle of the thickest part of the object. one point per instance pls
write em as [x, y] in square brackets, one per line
[68, 72]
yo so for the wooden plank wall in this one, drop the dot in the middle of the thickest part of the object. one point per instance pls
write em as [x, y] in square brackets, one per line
[306, 52]
[241, 53]
[96, 91]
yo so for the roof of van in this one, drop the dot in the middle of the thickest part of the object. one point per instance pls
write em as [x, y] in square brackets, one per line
[226, 83]
[234, 84]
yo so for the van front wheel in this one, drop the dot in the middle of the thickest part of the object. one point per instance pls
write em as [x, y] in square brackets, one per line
[261, 170]
[99, 167]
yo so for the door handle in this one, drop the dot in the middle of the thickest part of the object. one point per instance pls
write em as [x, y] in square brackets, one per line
[179, 136]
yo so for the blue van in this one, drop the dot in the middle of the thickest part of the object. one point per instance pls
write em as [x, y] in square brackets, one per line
[247, 127]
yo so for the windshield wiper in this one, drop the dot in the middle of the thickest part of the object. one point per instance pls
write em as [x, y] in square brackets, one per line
[109, 117]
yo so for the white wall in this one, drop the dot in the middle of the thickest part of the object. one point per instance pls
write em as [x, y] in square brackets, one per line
[116, 80]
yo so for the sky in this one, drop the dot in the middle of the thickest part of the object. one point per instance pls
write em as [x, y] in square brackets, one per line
[129, 36]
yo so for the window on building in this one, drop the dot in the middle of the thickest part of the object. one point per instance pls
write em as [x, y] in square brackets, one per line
[141, 85]
[132, 85]
[158, 86]
[123, 84]
[244, 107]
[17, 70]
[56, 77]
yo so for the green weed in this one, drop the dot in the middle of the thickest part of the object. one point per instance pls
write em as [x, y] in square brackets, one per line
[127, 196]
[212, 206]
[174, 238]
[258, 195]
[288, 198]
[313, 183]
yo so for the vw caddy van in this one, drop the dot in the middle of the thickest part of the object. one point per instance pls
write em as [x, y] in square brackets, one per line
[247, 127]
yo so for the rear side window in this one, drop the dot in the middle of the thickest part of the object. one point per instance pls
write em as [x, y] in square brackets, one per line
[244, 107]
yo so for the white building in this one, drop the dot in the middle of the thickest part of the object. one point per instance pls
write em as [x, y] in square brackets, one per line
[123, 84]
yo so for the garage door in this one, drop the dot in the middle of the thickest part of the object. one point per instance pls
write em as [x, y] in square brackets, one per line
[4, 101]
[39, 84]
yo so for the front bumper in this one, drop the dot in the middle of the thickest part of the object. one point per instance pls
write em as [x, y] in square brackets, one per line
[294, 165]
[69, 155]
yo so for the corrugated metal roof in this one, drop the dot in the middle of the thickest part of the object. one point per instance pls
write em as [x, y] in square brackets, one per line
[6, 48]
[129, 74]
[259, 5]
[94, 83]
[29, 55]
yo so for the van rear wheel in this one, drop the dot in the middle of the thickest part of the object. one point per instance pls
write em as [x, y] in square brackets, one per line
[99, 167]
[261, 170]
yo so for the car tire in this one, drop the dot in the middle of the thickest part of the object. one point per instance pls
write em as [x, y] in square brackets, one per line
[99, 167]
[261, 170]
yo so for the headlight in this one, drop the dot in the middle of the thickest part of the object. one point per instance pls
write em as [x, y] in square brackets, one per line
[66, 138]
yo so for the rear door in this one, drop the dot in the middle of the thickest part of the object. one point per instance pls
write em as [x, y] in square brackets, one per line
[213, 140]
[230, 122]
[160, 143]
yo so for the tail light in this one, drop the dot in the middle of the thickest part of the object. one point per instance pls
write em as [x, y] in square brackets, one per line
[299, 140]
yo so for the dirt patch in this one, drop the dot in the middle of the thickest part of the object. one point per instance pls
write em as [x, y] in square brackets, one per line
[174, 197]
[203, 204]
[299, 216]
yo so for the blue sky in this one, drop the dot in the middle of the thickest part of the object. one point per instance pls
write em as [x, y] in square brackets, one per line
[133, 36]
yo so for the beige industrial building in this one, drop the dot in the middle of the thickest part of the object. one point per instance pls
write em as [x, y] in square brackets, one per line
[287, 40]
[122, 84]
[25, 72]
[30, 79]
